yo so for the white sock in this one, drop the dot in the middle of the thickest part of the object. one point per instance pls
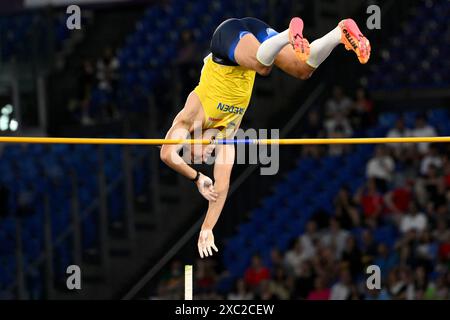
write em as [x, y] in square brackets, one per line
[270, 48]
[321, 48]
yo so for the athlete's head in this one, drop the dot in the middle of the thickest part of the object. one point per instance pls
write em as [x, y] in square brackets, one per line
[203, 153]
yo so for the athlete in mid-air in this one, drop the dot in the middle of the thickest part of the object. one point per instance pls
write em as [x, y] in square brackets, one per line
[240, 48]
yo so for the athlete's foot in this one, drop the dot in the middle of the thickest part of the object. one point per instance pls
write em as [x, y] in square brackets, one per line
[354, 40]
[299, 44]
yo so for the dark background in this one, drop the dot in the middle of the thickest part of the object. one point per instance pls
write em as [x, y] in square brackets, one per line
[131, 223]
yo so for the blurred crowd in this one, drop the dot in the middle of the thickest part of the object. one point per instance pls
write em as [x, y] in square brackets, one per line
[99, 79]
[343, 117]
[406, 193]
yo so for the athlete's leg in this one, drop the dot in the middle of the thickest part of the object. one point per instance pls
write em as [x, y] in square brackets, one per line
[346, 32]
[258, 49]
[238, 42]
[245, 55]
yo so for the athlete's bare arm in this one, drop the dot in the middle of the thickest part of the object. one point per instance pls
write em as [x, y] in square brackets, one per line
[185, 121]
[223, 166]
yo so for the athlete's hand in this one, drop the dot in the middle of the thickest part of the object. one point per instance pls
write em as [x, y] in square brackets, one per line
[206, 243]
[206, 188]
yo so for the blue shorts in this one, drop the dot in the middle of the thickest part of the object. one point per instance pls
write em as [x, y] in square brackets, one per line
[228, 34]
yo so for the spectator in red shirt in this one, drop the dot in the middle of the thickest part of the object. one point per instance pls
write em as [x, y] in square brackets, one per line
[398, 200]
[444, 250]
[256, 272]
[371, 202]
[447, 174]
[321, 291]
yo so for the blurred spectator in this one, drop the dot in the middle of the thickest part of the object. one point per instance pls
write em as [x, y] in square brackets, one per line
[107, 71]
[187, 61]
[86, 84]
[108, 79]
[264, 291]
[368, 247]
[396, 286]
[442, 232]
[398, 200]
[354, 293]
[413, 220]
[338, 103]
[362, 114]
[342, 289]
[431, 186]
[294, 258]
[256, 273]
[309, 239]
[400, 130]
[278, 284]
[438, 290]
[335, 237]
[420, 280]
[371, 202]
[375, 294]
[385, 259]
[447, 174]
[276, 259]
[444, 250]
[240, 291]
[338, 127]
[304, 283]
[425, 251]
[171, 284]
[432, 158]
[423, 129]
[346, 211]
[381, 168]
[321, 291]
[205, 277]
[352, 257]
[313, 126]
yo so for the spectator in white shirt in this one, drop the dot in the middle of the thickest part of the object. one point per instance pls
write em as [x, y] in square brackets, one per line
[308, 240]
[338, 127]
[381, 168]
[399, 131]
[423, 129]
[341, 290]
[294, 258]
[335, 237]
[431, 159]
[339, 103]
[240, 291]
[414, 220]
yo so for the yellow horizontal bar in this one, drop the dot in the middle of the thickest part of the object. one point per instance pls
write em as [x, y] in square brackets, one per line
[121, 141]
[355, 140]
[45, 140]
